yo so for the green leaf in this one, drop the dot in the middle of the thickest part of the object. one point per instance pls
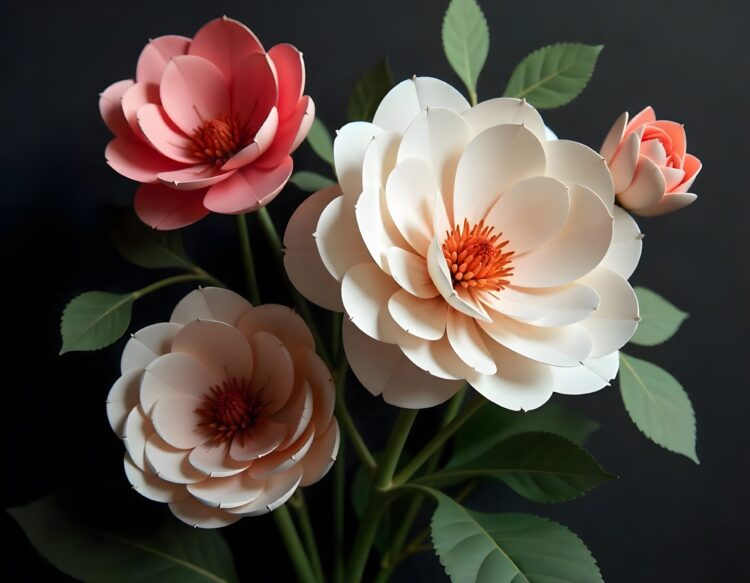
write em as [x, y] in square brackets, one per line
[491, 425]
[369, 91]
[320, 140]
[478, 547]
[310, 181]
[660, 320]
[94, 320]
[538, 466]
[174, 553]
[466, 41]
[658, 405]
[147, 247]
[553, 76]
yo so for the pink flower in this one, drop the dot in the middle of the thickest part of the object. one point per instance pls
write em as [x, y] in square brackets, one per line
[208, 124]
[650, 166]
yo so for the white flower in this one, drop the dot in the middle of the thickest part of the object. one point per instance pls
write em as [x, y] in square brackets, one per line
[224, 410]
[463, 244]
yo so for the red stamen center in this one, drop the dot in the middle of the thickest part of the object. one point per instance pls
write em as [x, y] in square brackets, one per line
[229, 411]
[475, 257]
[217, 140]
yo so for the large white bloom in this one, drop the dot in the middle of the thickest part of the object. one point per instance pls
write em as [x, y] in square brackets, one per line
[463, 244]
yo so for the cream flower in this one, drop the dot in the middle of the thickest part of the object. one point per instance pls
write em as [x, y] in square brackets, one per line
[463, 245]
[224, 410]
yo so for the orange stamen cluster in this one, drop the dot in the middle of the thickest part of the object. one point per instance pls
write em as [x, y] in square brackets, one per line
[229, 411]
[475, 257]
[217, 140]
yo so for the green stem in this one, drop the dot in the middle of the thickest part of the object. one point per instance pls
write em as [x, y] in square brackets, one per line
[435, 444]
[293, 544]
[247, 261]
[274, 241]
[379, 498]
[208, 277]
[170, 281]
[347, 423]
[298, 503]
[339, 492]
[472, 96]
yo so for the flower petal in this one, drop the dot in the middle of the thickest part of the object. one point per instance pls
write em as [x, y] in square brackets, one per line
[261, 142]
[133, 99]
[194, 177]
[110, 107]
[410, 272]
[227, 492]
[290, 70]
[379, 158]
[309, 366]
[504, 110]
[175, 374]
[137, 160]
[282, 322]
[421, 317]
[365, 291]
[296, 413]
[253, 91]
[137, 430]
[265, 437]
[646, 189]
[248, 189]
[214, 460]
[147, 345]
[273, 371]
[210, 303]
[646, 115]
[151, 486]
[668, 204]
[321, 455]
[166, 209]
[592, 375]
[123, 397]
[624, 163]
[164, 136]
[547, 306]
[377, 229]
[226, 43]
[290, 135]
[466, 341]
[339, 243]
[170, 463]
[625, 249]
[198, 515]
[176, 421]
[277, 489]
[614, 137]
[282, 460]
[156, 55]
[436, 357]
[349, 149]
[573, 162]
[692, 167]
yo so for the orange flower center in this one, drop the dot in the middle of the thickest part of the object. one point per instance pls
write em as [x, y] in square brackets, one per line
[476, 259]
[229, 411]
[217, 140]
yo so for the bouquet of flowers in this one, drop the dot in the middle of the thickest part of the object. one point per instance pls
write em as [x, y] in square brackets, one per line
[470, 260]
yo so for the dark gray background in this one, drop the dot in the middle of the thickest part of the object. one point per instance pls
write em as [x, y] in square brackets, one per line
[664, 520]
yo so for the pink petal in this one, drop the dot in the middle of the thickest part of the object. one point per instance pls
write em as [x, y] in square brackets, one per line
[194, 177]
[123, 397]
[151, 486]
[290, 69]
[137, 160]
[262, 140]
[669, 204]
[623, 163]
[165, 209]
[136, 97]
[210, 303]
[290, 134]
[193, 90]
[110, 107]
[645, 116]
[228, 492]
[647, 188]
[282, 460]
[321, 456]
[673, 177]
[308, 365]
[282, 322]
[214, 461]
[176, 421]
[296, 413]
[164, 136]
[276, 491]
[198, 515]
[249, 188]
[156, 55]
[226, 43]
[654, 150]
[170, 463]
[265, 437]
[253, 91]
[148, 344]
[692, 166]
[676, 132]
[614, 137]
[274, 372]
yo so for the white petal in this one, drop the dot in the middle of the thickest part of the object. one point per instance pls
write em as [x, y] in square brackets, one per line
[264, 438]
[175, 420]
[337, 235]
[282, 322]
[147, 345]
[210, 303]
[376, 226]
[614, 137]
[301, 257]
[494, 161]
[548, 306]
[573, 162]
[175, 373]
[466, 341]
[229, 492]
[349, 149]
[411, 97]
[214, 461]
[274, 371]
[422, 317]
[283, 459]
[436, 357]
[530, 213]
[138, 429]
[320, 457]
[624, 163]
[170, 463]
[574, 251]
[380, 158]
[616, 320]
[549, 135]
[309, 366]
[410, 272]
[625, 250]
[365, 292]
[152, 487]
[123, 397]
[384, 369]
[504, 110]
[198, 515]
[592, 375]
[277, 489]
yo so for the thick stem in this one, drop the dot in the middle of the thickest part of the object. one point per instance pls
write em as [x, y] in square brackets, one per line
[293, 545]
[171, 281]
[347, 423]
[308, 534]
[339, 493]
[248, 264]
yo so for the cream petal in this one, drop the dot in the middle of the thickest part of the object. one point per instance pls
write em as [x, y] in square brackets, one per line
[264, 438]
[574, 251]
[228, 492]
[614, 137]
[349, 149]
[210, 303]
[152, 487]
[214, 461]
[410, 195]
[309, 366]
[277, 489]
[549, 306]
[504, 110]
[421, 317]
[410, 272]
[646, 189]
[339, 243]
[321, 455]
[123, 397]
[411, 97]
[198, 515]
[376, 226]
[170, 463]
[148, 344]
[219, 347]
[280, 321]
[673, 177]
[573, 162]
[466, 341]
[625, 249]
[435, 357]
[296, 413]
[624, 163]
[176, 421]
[494, 161]
[654, 150]
[365, 292]
[380, 158]
[530, 212]
[137, 430]
[174, 374]
[592, 375]
[384, 369]
[302, 260]
[616, 320]
[668, 204]
[282, 460]
[274, 371]
[520, 384]
[557, 346]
